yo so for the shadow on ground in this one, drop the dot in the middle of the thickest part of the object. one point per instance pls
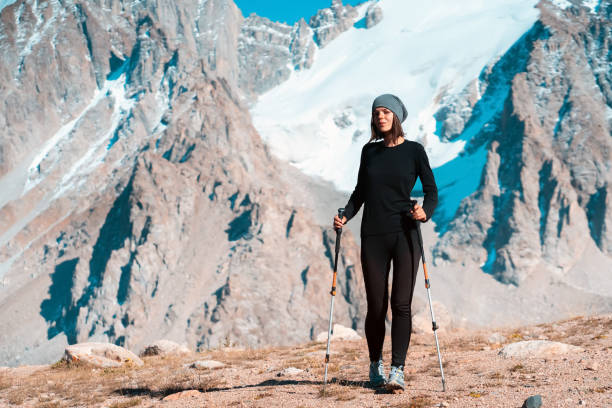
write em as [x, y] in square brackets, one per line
[151, 393]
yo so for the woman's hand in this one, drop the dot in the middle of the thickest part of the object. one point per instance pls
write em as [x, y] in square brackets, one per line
[339, 223]
[417, 213]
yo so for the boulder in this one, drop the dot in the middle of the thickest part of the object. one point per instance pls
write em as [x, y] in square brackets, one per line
[164, 347]
[101, 355]
[535, 401]
[289, 372]
[537, 349]
[205, 364]
[339, 332]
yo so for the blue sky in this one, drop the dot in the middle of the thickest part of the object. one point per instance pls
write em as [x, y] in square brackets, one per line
[286, 11]
[4, 3]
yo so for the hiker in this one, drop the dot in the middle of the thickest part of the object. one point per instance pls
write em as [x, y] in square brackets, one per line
[388, 170]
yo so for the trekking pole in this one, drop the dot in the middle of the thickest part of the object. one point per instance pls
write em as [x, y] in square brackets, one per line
[434, 325]
[333, 295]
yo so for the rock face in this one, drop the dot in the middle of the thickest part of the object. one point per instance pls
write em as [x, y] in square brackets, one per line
[267, 50]
[140, 202]
[327, 24]
[374, 15]
[542, 112]
[101, 355]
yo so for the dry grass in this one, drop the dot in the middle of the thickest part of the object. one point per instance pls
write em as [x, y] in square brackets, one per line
[126, 404]
[340, 393]
[79, 384]
[421, 401]
[5, 382]
[346, 397]
[50, 404]
[231, 356]
[516, 336]
[16, 397]
[263, 395]
[303, 363]
[520, 368]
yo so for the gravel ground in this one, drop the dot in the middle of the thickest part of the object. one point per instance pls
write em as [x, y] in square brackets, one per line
[476, 375]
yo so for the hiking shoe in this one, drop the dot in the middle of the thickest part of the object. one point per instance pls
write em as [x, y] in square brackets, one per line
[396, 379]
[377, 373]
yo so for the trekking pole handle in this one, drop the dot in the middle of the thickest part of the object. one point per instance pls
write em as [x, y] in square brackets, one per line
[339, 230]
[418, 228]
[340, 214]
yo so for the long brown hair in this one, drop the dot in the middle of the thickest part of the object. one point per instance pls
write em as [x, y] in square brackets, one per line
[396, 130]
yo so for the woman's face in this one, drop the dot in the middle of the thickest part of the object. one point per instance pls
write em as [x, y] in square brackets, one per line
[383, 118]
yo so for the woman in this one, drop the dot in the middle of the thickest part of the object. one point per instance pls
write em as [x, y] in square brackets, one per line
[388, 170]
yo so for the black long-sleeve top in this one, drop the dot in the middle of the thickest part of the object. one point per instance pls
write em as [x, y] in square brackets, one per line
[386, 178]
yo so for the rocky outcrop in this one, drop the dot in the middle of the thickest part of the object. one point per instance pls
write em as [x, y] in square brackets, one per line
[101, 355]
[374, 15]
[269, 51]
[327, 24]
[542, 111]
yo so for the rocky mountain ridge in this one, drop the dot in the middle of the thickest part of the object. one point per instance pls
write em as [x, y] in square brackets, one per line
[270, 51]
[544, 114]
[172, 216]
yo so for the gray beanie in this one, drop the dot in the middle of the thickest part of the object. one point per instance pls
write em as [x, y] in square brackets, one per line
[392, 103]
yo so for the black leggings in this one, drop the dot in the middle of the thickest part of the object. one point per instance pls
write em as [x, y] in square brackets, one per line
[377, 251]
